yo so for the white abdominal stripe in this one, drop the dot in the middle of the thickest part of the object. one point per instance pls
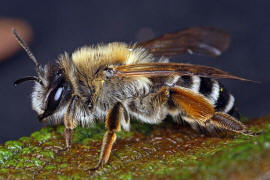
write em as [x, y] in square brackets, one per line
[196, 81]
[213, 90]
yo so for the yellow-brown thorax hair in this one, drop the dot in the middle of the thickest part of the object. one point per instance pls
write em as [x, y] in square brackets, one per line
[85, 70]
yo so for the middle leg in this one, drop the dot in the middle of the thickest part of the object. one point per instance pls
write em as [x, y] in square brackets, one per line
[113, 124]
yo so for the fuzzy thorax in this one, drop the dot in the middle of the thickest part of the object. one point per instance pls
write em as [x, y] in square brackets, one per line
[88, 59]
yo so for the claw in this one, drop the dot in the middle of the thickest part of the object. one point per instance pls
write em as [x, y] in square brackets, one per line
[249, 133]
[99, 165]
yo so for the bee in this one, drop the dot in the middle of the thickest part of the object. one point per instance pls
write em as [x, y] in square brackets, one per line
[117, 81]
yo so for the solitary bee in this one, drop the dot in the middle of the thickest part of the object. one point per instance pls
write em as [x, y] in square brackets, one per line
[116, 81]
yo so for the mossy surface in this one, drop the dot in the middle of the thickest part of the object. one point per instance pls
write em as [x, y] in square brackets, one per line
[166, 151]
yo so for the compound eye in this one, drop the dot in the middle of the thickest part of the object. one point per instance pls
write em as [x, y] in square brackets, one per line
[54, 98]
[58, 93]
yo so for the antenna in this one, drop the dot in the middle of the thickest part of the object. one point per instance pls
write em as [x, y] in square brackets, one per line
[31, 56]
[28, 78]
[25, 47]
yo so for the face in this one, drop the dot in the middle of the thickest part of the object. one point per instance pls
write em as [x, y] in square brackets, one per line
[52, 93]
[50, 98]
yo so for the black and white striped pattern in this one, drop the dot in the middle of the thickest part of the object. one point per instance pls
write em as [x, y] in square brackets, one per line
[213, 90]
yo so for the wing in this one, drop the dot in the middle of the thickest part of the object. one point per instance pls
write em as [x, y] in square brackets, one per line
[167, 69]
[199, 40]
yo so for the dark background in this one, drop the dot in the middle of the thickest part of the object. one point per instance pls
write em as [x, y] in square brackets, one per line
[64, 26]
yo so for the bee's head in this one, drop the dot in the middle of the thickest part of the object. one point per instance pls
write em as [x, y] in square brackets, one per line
[50, 98]
[51, 90]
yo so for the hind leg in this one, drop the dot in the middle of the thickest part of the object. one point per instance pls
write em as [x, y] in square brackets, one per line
[200, 113]
[218, 123]
[226, 122]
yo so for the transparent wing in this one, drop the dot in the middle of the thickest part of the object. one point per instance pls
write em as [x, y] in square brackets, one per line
[198, 40]
[167, 69]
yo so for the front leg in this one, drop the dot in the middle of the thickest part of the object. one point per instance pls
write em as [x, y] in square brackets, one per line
[70, 122]
[113, 125]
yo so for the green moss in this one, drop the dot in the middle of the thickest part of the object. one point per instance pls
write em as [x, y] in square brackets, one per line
[47, 154]
[14, 146]
[1, 159]
[10, 163]
[62, 177]
[141, 127]
[94, 133]
[5, 153]
[46, 130]
[124, 134]
[127, 176]
[41, 136]
[226, 159]
[37, 162]
[63, 165]
[4, 171]
[35, 149]
[25, 140]
[26, 150]
[60, 129]
[49, 167]
[87, 141]
[167, 151]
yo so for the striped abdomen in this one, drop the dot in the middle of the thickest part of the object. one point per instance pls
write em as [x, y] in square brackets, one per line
[213, 90]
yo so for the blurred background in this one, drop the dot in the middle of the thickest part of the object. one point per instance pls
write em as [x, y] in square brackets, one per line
[58, 26]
